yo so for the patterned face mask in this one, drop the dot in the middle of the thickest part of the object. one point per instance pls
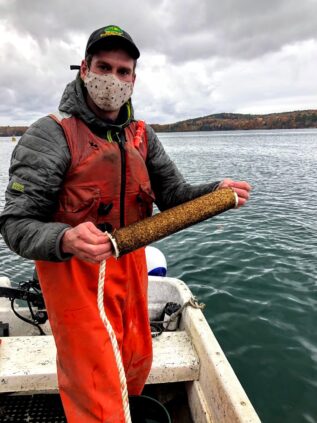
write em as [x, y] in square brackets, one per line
[107, 91]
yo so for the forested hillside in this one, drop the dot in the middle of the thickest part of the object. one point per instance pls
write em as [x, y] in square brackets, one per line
[232, 121]
[221, 122]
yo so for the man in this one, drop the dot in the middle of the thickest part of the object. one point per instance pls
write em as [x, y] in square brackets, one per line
[86, 169]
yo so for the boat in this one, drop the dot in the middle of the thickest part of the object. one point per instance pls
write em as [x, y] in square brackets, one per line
[190, 376]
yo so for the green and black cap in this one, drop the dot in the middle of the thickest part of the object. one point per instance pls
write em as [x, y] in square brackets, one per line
[112, 36]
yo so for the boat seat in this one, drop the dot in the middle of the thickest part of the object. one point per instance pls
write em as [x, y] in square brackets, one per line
[28, 362]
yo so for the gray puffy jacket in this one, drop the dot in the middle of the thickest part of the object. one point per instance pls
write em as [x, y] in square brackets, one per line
[39, 164]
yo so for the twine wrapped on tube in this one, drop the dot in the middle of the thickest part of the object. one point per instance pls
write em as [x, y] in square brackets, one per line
[144, 232]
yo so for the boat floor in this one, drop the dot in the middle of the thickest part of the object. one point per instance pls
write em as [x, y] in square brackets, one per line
[39, 408]
[31, 408]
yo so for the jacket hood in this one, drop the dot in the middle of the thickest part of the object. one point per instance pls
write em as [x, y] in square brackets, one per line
[73, 102]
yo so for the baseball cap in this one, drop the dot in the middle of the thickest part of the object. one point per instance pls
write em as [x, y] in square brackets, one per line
[109, 35]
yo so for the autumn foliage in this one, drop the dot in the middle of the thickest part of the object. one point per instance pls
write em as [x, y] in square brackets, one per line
[234, 121]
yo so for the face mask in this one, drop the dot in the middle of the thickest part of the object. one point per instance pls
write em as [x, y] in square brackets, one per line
[107, 91]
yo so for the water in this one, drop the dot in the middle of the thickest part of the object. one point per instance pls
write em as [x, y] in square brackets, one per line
[255, 268]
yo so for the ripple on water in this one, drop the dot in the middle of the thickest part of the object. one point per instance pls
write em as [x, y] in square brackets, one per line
[255, 268]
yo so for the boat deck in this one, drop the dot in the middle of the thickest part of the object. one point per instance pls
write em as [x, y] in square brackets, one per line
[198, 377]
[174, 360]
[40, 408]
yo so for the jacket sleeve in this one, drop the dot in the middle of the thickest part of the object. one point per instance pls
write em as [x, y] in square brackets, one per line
[168, 184]
[38, 165]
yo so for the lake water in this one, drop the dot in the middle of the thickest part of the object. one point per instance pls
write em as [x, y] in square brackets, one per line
[255, 268]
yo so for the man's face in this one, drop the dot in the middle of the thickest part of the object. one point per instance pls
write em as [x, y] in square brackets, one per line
[116, 62]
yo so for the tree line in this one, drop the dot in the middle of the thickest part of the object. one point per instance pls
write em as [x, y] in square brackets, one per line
[10, 131]
[235, 121]
[220, 122]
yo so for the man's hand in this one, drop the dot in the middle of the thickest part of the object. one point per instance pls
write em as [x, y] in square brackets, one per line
[87, 242]
[241, 188]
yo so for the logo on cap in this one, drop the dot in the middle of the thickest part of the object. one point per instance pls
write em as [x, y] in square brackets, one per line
[112, 30]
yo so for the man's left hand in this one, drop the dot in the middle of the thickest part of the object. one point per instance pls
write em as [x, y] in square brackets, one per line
[241, 188]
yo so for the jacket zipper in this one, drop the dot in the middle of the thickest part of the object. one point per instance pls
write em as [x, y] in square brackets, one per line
[123, 179]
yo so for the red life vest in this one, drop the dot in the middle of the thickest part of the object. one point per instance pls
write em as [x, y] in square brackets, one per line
[107, 182]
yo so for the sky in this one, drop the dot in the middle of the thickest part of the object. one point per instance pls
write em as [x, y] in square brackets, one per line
[198, 57]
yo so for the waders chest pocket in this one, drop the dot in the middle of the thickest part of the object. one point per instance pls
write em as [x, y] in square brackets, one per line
[77, 205]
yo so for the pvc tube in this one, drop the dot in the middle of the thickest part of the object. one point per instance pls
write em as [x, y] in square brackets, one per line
[154, 228]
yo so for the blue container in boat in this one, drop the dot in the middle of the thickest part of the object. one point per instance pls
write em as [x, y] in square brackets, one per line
[145, 409]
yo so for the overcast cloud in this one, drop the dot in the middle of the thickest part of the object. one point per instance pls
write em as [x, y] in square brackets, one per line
[198, 57]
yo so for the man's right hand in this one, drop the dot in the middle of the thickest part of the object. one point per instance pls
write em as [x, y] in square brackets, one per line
[87, 242]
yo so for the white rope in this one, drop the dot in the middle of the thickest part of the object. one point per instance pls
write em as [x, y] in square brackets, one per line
[113, 339]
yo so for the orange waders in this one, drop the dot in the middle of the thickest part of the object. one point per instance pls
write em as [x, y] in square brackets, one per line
[87, 372]
[107, 184]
